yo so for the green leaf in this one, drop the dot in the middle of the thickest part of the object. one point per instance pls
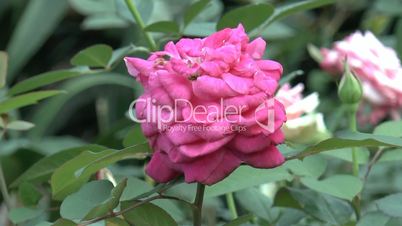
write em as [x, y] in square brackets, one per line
[288, 216]
[64, 222]
[43, 169]
[34, 27]
[140, 188]
[3, 68]
[109, 204]
[147, 214]
[46, 146]
[374, 219]
[194, 10]
[325, 208]
[240, 220]
[391, 155]
[73, 174]
[93, 56]
[42, 80]
[44, 223]
[200, 29]
[395, 222]
[391, 205]
[277, 31]
[315, 53]
[86, 204]
[164, 27]
[145, 8]
[255, 202]
[3, 6]
[23, 214]
[28, 194]
[17, 125]
[115, 221]
[390, 128]
[120, 53]
[88, 7]
[74, 87]
[292, 8]
[389, 7]
[134, 136]
[25, 100]
[349, 140]
[345, 154]
[341, 186]
[312, 166]
[399, 38]
[173, 208]
[251, 16]
[103, 21]
[244, 177]
[140, 194]
[101, 14]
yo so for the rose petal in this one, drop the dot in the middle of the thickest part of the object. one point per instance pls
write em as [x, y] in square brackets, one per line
[256, 48]
[212, 168]
[159, 170]
[269, 158]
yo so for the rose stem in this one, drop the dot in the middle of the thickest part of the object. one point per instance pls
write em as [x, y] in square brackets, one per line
[3, 189]
[353, 128]
[3, 184]
[231, 205]
[197, 211]
[352, 110]
[137, 17]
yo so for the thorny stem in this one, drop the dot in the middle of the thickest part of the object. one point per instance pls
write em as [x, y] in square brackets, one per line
[135, 205]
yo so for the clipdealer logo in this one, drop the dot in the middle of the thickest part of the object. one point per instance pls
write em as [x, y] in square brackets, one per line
[200, 117]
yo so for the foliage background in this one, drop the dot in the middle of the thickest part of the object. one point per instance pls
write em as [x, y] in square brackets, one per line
[43, 35]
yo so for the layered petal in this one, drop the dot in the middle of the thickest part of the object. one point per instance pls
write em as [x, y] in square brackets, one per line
[158, 168]
[208, 107]
[269, 158]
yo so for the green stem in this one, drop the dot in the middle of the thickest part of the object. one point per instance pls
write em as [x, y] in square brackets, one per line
[231, 205]
[3, 188]
[3, 183]
[353, 127]
[352, 111]
[137, 17]
[197, 210]
[102, 114]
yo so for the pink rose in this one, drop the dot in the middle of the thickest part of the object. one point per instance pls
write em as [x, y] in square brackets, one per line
[208, 107]
[378, 68]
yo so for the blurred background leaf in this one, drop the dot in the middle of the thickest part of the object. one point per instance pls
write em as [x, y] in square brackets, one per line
[42, 36]
[37, 20]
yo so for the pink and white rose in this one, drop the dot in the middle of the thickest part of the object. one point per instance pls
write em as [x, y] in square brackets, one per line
[378, 69]
[304, 124]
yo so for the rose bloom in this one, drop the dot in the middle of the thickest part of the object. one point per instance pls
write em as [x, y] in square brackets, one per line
[378, 69]
[204, 74]
[303, 124]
